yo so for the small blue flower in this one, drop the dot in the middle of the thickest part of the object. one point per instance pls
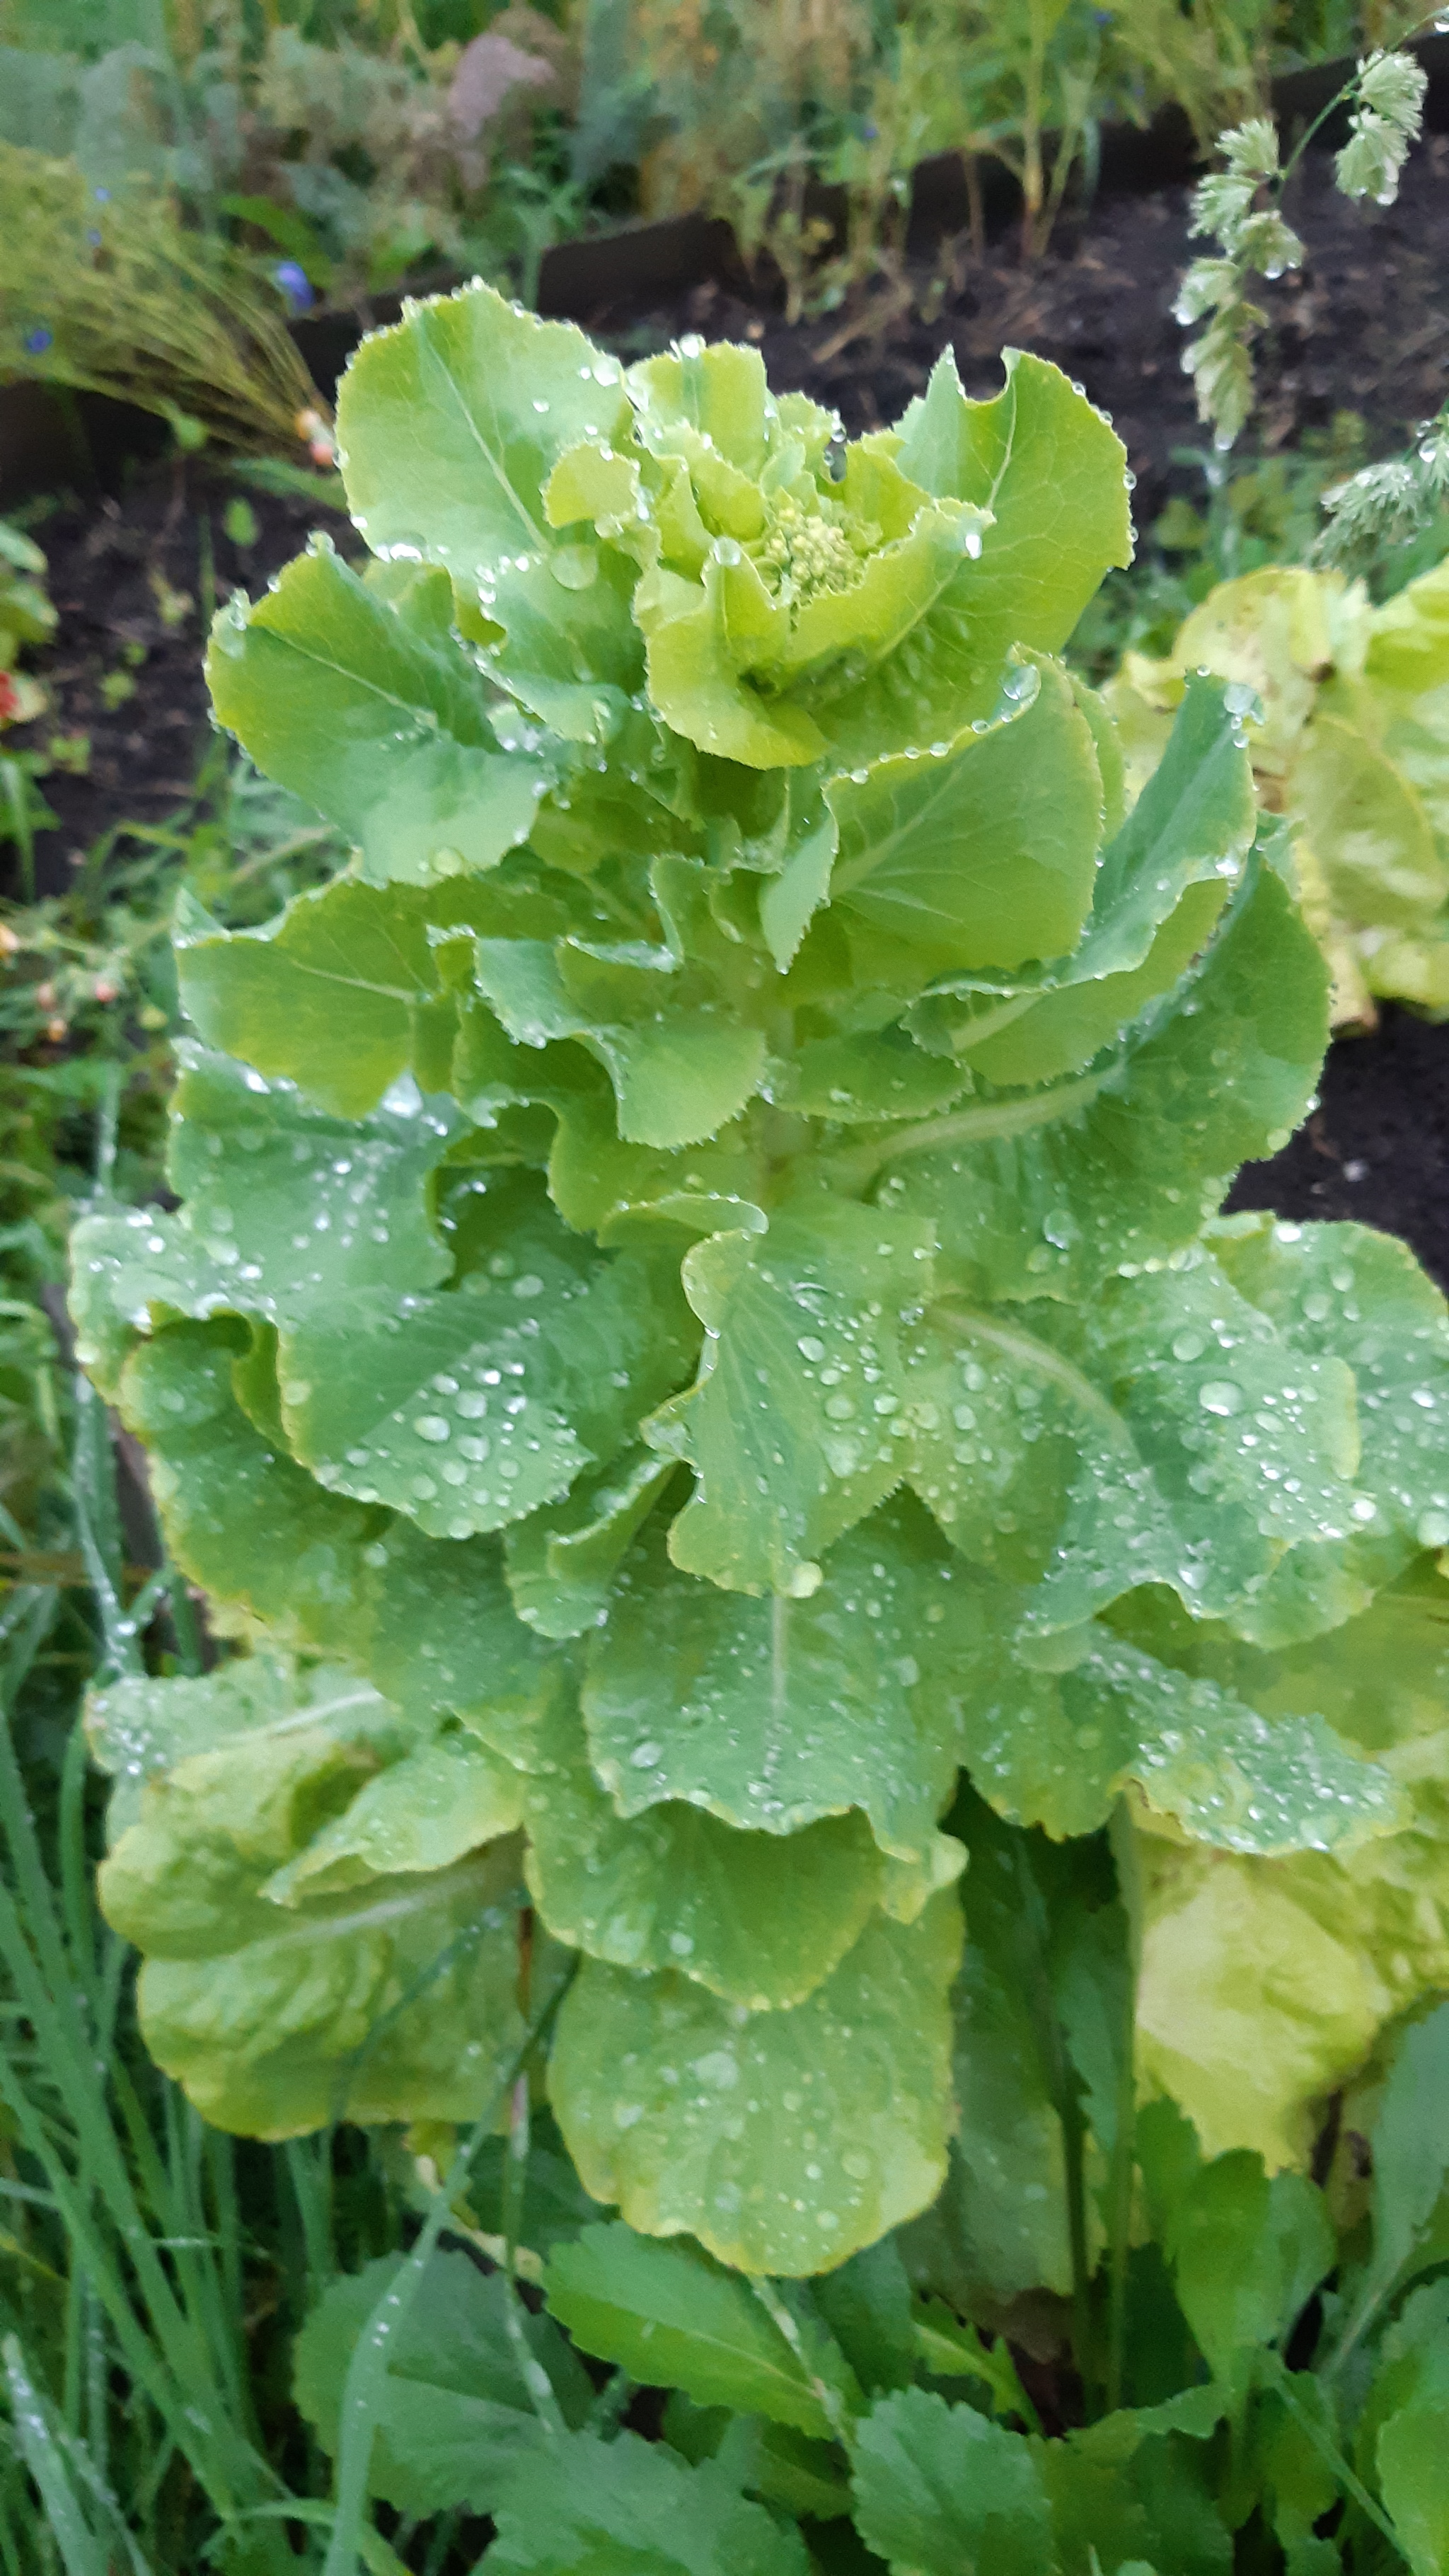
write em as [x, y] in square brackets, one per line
[103, 196]
[870, 132]
[38, 340]
[295, 285]
[94, 239]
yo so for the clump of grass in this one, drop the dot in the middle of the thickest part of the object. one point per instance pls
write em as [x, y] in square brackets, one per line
[110, 293]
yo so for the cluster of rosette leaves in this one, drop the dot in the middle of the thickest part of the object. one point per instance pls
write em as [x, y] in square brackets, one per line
[1352, 745]
[698, 1318]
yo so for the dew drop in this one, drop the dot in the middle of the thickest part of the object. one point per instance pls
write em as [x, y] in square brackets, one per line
[1220, 1395]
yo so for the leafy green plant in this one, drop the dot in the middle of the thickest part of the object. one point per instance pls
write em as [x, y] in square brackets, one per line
[698, 1282]
[1284, 2362]
[1353, 747]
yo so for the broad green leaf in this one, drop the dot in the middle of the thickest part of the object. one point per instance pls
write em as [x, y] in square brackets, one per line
[772, 1713]
[328, 995]
[1410, 2165]
[1161, 883]
[679, 1075]
[782, 2140]
[385, 731]
[435, 1628]
[1165, 1433]
[1052, 472]
[456, 2411]
[859, 1080]
[634, 2508]
[322, 1205]
[1399, 2435]
[673, 2318]
[1053, 1737]
[570, 651]
[866, 2305]
[1345, 1289]
[982, 852]
[757, 1918]
[701, 636]
[243, 1521]
[1001, 2225]
[602, 1186]
[429, 1623]
[942, 2491]
[1048, 1193]
[1236, 1448]
[720, 393]
[451, 423]
[393, 2001]
[325, 1204]
[1133, 2483]
[789, 1428]
[471, 1409]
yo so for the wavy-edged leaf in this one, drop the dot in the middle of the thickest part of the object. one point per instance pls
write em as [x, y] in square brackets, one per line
[980, 852]
[241, 1518]
[451, 423]
[1345, 1291]
[1057, 1747]
[679, 1074]
[790, 1427]
[755, 1917]
[1161, 883]
[470, 1409]
[1368, 830]
[781, 2140]
[394, 1999]
[563, 1559]
[772, 1713]
[287, 1210]
[1052, 472]
[386, 731]
[1049, 1191]
[328, 995]
[943, 2491]
[139, 1728]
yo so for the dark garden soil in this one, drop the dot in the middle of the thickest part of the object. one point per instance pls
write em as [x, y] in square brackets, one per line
[133, 576]
[1364, 328]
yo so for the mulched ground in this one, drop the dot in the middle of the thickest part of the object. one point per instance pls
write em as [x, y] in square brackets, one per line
[1365, 328]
